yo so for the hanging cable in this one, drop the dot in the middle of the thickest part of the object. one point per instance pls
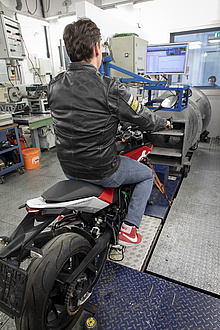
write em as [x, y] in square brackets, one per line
[48, 7]
[28, 55]
[29, 9]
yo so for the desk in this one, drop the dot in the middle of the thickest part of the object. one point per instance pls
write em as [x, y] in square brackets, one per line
[34, 122]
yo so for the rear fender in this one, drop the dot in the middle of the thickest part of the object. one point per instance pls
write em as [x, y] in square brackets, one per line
[24, 234]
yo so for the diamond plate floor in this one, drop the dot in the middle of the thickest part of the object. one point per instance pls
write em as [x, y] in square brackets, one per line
[131, 300]
[135, 257]
[188, 249]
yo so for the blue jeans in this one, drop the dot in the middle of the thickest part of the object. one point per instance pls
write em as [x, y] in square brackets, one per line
[130, 171]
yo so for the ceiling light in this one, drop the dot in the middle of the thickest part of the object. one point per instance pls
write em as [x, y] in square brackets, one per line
[122, 2]
[50, 18]
[214, 40]
[195, 45]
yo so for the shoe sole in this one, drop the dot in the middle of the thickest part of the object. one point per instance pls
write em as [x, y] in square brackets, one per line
[128, 244]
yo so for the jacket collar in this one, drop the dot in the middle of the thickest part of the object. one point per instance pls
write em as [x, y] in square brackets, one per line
[81, 65]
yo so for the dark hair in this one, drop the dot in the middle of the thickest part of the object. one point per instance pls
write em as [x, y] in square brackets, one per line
[79, 39]
[212, 77]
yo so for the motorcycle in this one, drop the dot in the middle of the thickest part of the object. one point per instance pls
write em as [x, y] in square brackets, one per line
[66, 234]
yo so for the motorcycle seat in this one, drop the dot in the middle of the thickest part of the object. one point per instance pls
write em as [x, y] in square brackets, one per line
[68, 190]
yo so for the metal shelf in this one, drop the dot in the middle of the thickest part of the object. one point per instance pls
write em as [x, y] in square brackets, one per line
[174, 132]
[9, 149]
[166, 152]
[3, 137]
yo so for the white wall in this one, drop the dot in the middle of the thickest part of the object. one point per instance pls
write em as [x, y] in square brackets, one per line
[56, 28]
[34, 37]
[109, 24]
[159, 18]
[108, 21]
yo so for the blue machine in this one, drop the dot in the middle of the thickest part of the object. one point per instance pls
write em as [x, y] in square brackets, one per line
[182, 92]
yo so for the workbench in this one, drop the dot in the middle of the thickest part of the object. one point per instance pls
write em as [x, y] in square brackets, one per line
[3, 137]
[34, 122]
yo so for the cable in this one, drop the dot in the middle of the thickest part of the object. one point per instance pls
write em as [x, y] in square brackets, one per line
[29, 9]
[48, 8]
[9, 76]
[28, 55]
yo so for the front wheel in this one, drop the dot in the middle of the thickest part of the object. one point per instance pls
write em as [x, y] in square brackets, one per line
[48, 304]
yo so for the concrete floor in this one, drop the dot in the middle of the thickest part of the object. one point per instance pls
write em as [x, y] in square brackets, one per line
[188, 249]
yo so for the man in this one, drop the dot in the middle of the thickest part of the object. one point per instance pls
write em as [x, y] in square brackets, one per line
[86, 109]
[212, 81]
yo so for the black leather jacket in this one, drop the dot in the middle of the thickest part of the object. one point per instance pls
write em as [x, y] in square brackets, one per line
[86, 108]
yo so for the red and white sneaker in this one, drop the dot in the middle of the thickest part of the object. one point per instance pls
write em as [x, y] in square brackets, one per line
[128, 236]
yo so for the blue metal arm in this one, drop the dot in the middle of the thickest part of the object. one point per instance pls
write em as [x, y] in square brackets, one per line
[105, 69]
[181, 91]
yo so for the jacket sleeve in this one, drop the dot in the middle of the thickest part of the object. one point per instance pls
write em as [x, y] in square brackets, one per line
[130, 110]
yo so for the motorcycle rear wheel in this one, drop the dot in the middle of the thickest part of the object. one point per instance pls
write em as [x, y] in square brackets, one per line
[45, 306]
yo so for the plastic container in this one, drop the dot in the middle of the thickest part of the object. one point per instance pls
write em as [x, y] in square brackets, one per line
[31, 158]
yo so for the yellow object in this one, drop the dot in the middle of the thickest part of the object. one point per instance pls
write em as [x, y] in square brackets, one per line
[90, 322]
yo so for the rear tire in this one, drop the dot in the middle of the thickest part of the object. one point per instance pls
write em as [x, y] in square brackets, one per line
[45, 306]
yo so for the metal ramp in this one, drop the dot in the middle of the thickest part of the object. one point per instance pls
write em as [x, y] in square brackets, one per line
[188, 248]
[126, 299]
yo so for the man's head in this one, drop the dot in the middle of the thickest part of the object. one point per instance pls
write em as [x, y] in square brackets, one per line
[80, 38]
[212, 80]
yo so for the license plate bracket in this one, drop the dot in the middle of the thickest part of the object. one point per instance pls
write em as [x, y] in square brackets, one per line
[13, 282]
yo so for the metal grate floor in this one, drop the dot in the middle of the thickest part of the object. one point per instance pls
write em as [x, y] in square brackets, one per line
[127, 299]
[188, 249]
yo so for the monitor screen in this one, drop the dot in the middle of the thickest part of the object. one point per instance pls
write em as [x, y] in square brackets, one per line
[167, 59]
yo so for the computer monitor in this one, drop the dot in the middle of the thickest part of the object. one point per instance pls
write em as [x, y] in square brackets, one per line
[167, 58]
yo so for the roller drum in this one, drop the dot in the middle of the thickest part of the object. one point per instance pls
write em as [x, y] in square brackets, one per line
[196, 118]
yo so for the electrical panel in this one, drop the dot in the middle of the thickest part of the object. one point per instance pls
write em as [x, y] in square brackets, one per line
[129, 53]
[11, 43]
[44, 66]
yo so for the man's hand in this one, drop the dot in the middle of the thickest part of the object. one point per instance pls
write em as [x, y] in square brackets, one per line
[168, 125]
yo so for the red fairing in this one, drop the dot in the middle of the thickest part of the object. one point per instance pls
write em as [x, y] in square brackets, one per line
[107, 195]
[140, 153]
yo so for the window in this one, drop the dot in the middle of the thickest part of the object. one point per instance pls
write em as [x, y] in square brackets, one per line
[203, 58]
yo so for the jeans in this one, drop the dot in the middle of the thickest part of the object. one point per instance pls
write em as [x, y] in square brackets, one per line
[130, 171]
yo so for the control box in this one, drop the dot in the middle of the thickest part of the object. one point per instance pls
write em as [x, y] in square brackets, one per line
[129, 53]
[11, 43]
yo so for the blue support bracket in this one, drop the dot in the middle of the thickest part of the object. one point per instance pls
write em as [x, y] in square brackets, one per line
[182, 91]
[105, 69]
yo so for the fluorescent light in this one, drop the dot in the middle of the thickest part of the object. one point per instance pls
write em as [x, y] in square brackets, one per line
[195, 45]
[137, 2]
[122, 2]
[215, 40]
[50, 18]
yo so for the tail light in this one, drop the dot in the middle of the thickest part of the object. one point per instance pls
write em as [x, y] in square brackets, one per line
[32, 210]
